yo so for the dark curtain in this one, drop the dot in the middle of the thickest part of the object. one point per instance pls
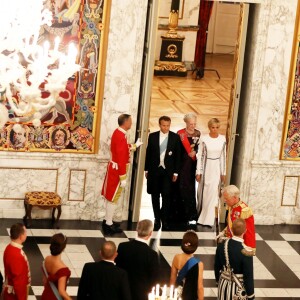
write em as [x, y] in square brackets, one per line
[204, 16]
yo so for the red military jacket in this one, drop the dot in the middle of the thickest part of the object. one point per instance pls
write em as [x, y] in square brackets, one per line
[120, 151]
[117, 167]
[241, 210]
[17, 273]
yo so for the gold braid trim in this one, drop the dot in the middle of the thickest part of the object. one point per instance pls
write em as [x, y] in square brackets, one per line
[249, 252]
[123, 177]
[246, 212]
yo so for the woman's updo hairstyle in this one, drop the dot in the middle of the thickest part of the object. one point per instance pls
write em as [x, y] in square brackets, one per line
[58, 243]
[189, 242]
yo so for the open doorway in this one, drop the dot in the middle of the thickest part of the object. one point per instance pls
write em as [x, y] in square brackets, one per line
[208, 97]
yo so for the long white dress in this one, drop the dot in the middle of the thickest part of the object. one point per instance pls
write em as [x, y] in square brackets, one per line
[211, 164]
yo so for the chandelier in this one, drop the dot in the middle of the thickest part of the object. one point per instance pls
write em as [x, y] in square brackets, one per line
[31, 75]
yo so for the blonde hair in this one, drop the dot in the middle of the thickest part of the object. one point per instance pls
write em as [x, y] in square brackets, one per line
[213, 121]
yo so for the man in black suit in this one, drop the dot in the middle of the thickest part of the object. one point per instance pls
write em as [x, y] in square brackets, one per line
[140, 261]
[103, 280]
[240, 261]
[161, 169]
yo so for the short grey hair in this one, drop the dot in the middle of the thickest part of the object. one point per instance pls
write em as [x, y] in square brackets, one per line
[232, 191]
[189, 116]
[144, 228]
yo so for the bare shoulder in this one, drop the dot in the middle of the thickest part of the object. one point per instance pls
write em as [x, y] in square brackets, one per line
[48, 259]
[177, 260]
[177, 257]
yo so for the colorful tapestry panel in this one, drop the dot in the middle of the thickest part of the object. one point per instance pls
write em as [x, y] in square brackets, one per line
[72, 124]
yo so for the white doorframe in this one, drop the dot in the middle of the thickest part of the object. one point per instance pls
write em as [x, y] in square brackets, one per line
[145, 104]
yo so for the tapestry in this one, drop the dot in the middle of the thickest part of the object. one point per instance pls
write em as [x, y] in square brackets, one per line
[290, 146]
[72, 124]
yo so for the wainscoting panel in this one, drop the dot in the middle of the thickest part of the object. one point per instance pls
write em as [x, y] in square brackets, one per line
[77, 184]
[15, 182]
[290, 191]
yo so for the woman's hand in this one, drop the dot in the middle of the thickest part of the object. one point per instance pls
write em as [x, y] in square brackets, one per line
[192, 154]
[198, 177]
[222, 177]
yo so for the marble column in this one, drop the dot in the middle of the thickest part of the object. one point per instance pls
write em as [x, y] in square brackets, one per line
[260, 174]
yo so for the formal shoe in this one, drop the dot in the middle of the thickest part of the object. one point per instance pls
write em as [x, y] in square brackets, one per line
[192, 225]
[157, 225]
[115, 223]
[192, 222]
[111, 229]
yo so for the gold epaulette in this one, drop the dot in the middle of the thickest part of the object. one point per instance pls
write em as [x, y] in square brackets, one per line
[246, 212]
[249, 252]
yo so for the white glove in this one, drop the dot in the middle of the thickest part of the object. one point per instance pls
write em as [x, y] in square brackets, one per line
[123, 183]
[138, 143]
[220, 236]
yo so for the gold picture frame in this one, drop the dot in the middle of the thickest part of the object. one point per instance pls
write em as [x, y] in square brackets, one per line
[72, 125]
[290, 142]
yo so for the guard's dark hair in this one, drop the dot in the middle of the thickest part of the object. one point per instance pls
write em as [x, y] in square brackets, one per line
[189, 242]
[122, 118]
[58, 243]
[164, 118]
[16, 230]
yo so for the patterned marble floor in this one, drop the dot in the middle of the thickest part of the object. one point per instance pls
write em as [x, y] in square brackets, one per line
[276, 266]
[208, 97]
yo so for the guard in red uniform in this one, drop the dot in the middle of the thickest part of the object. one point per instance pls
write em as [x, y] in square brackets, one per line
[238, 209]
[16, 267]
[115, 178]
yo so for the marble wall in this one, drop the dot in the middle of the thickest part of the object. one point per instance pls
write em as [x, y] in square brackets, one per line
[78, 178]
[257, 168]
[260, 174]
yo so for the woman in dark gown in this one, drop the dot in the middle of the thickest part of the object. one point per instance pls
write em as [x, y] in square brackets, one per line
[192, 278]
[189, 137]
[55, 271]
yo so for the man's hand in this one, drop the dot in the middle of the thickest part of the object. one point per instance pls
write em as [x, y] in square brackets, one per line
[138, 143]
[174, 178]
[123, 183]
[198, 177]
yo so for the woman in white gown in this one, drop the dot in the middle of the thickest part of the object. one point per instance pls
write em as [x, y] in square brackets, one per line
[210, 173]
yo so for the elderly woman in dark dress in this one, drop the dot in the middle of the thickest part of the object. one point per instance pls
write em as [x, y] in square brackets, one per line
[189, 137]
